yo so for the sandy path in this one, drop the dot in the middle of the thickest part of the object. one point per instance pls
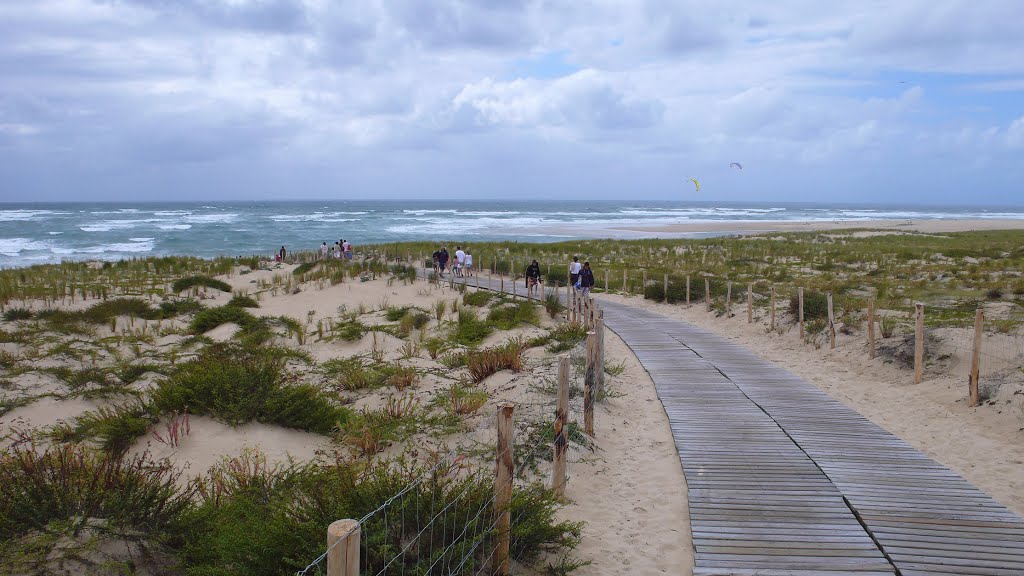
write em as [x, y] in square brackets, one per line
[632, 493]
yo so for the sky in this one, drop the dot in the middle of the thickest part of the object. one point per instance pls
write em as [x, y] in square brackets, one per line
[916, 101]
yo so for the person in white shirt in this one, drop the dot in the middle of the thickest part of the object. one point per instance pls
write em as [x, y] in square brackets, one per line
[323, 251]
[346, 248]
[574, 270]
[469, 264]
[460, 260]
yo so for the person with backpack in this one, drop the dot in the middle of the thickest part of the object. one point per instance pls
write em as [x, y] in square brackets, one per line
[443, 259]
[586, 280]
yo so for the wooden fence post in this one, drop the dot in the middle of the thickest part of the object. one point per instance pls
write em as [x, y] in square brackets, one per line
[561, 427]
[599, 371]
[771, 324]
[606, 280]
[343, 548]
[623, 281]
[750, 303]
[503, 489]
[644, 277]
[979, 325]
[589, 383]
[707, 295]
[800, 319]
[687, 290]
[728, 298]
[919, 343]
[666, 288]
[871, 329]
[831, 324]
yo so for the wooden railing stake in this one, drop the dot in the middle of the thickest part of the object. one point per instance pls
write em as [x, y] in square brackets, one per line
[561, 427]
[503, 489]
[979, 325]
[919, 343]
[343, 548]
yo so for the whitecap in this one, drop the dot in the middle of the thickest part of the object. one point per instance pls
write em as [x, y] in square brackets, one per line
[14, 246]
[141, 239]
[211, 218]
[174, 226]
[23, 215]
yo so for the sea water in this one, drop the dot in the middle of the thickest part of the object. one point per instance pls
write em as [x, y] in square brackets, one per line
[51, 232]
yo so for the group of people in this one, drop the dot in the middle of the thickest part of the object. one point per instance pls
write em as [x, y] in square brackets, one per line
[341, 249]
[581, 277]
[462, 267]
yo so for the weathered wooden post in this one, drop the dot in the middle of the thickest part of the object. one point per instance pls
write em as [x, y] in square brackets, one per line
[831, 324]
[503, 489]
[623, 281]
[871, 329]
[771, 323]
[707, 295]
[643, 277]
[343, 548]
[750, 303]
[800, 317]
[728, 298]
[561, 427]
[599, 330]
[606, 280]
[979, 325]
[919, 343]
[666, 288]
[590, 383]
[687, 290]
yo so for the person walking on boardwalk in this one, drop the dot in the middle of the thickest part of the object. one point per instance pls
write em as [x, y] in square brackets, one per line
[442, 259]
[533, 277]
[574, 270]
[469, 263]
[323, 251]
[436, 257]
[586, 279]
[460, 261]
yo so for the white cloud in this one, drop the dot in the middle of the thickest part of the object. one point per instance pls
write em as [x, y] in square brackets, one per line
[288, 83]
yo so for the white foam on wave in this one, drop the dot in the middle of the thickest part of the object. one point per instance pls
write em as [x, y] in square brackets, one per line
[141, 239]
[106, 249]
[15, 246]
[211, 218]
[172, 213]
[422, 212]
[174, 226]
[316, 217]
[54, 233]
[24, 215]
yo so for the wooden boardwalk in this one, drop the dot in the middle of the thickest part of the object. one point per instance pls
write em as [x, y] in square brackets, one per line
[785, 480]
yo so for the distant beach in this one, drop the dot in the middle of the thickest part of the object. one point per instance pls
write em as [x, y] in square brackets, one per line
[48, 233]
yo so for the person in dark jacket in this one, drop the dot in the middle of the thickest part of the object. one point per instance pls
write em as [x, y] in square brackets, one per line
[443, 259]
[533, 277]
[586, 278]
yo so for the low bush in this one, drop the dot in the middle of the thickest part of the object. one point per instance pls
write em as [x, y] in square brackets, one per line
[454, 359]
[356, 374]
[304, 268]
[56, 492]
[210, 318]
[553, 305]
[12, 314]
[566, 337]
[193, 281]
[243, 301]
[237, 384]
[469, 330]
[478, 298]
[115, 427]
[815, 305]
[462, 400]
[484, 363]
[509, 316]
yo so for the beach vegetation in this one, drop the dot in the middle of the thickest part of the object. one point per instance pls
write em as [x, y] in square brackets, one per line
[183, 284]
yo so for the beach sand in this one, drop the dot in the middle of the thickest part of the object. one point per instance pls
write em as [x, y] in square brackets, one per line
[630, 491]
[734, 227]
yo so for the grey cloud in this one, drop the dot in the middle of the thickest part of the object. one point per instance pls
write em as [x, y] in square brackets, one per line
[281, 16]
[449, 24]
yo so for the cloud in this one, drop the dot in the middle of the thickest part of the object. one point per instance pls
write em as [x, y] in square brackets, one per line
[107, 92]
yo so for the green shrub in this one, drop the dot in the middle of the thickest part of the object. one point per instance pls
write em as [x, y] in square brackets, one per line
[815, 305]
[509, 316]
[116, 427]
[350, 331]
[173, 308]
[210, 318]
[71, 482]
[357, 374]
[240, 301]
[12, 314]
[553, 305]
[469, 330]
[259, 520]
[478, 298]
[237, 384]
[304, 268]
[454, 359]
[566, 337]
[193, 281]
[484, 363]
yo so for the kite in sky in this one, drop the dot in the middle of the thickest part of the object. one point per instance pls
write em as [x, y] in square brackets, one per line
[736, 165]
[695, 183]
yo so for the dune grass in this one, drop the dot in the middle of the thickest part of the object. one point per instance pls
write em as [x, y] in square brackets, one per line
[202, 281]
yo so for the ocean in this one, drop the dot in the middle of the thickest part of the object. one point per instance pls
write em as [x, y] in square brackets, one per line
[51, 232]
